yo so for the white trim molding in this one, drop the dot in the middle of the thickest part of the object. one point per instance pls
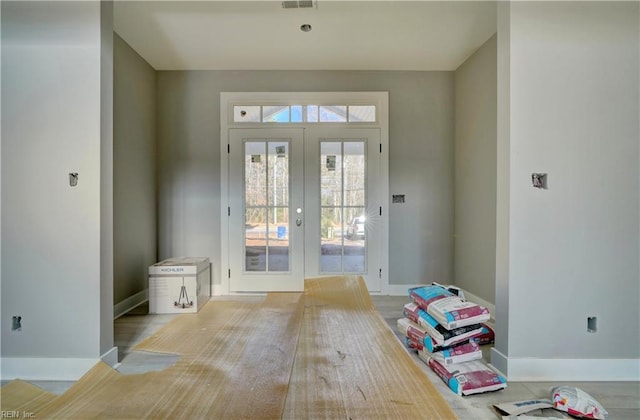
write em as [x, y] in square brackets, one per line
[45, 368]
[52, 368]
[400, 289]
[129, 303]
[217, 290]
[528, 369]
[110, 357]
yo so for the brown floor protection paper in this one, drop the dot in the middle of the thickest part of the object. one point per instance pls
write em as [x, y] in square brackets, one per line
[349, 363]
[23, 397]
[259, 360]
[236, 363]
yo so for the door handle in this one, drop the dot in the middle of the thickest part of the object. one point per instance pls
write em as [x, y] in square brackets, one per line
[299, 219]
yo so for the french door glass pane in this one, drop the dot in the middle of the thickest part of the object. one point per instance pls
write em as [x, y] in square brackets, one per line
[266, 192]
[278, 174]
[279, 239]
[331, 229]
[255, 174]
[255, 239]
[343, 201]
[331, 178]
[354, 174]
[355, 240]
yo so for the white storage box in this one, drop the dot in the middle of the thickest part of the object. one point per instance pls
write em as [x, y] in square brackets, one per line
[179, 285]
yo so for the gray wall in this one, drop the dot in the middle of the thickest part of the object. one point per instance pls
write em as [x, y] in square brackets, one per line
[106, 181]
[134, 180]
[475, 172]
[420, 160]
[571, 250]
[52, 114]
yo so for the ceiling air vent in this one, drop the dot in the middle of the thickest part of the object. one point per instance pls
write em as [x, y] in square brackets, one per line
[300, 4]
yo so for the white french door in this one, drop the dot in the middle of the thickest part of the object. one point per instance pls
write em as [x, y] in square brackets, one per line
[266, 201]
[304, 203]
[343, 198]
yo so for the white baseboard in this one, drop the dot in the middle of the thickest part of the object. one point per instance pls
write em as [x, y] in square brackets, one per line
[45, 368]
[52, 368]
[399, 289]
[129, 303]
[217, 290]
[499, 361]
[526, 369]
[110, 357]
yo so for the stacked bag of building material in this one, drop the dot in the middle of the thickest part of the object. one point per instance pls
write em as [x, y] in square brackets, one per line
[447, 332]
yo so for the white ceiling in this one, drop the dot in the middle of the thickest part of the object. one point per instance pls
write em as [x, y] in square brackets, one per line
[346, 35]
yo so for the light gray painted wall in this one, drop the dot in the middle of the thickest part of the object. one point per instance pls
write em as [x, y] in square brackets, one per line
[106, 179]
[475, 172]
[573, 249]
[420, 160]
[51, 125]
[503, 161]
[135, 221]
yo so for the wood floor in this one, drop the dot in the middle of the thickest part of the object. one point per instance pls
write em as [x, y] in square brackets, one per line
[621, 399]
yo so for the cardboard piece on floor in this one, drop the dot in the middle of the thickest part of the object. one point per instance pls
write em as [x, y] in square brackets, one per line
[526, 409]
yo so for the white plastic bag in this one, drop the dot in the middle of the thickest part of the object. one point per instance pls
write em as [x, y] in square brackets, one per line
[578, 403]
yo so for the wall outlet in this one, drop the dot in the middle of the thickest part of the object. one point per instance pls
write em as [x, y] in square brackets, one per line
[16, 323]
[592, 324]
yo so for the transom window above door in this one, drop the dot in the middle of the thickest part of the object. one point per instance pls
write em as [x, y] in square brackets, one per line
[284, 114]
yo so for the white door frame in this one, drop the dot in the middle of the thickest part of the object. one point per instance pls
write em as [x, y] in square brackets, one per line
[230, 99]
